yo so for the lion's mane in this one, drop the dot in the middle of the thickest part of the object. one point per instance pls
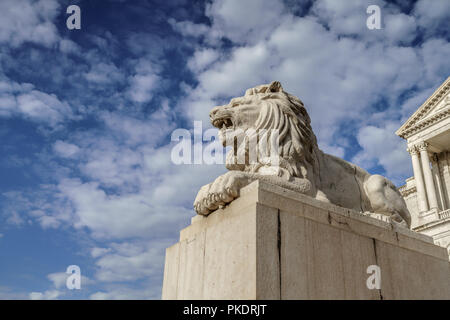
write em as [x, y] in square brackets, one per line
[297, 144]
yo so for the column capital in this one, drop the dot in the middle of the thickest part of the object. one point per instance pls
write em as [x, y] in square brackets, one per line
[412, 150]
[422, 146]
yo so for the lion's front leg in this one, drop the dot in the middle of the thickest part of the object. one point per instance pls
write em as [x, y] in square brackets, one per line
[223, 190]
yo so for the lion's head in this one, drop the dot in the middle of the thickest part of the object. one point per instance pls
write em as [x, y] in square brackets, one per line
[267, 108]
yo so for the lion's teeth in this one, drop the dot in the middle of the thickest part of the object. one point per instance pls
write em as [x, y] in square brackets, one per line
[224, 126]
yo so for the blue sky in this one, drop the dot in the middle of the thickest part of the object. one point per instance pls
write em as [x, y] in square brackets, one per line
[86, 117]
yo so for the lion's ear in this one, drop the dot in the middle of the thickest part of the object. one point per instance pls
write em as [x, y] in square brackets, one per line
[275, 86]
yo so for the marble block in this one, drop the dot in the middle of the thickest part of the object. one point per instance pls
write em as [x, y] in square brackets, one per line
[274, 243]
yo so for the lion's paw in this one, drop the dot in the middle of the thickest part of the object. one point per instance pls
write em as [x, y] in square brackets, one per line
[397, 221]
[220, 192]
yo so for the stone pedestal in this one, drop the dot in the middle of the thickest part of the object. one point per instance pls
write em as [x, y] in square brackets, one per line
[272, 243]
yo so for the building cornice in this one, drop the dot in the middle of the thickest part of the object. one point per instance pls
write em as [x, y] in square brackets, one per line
[404, 191]
[431, 224]
[414, 123]
[425, 123]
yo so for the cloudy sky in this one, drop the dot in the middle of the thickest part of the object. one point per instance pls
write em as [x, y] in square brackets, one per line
[86, 117]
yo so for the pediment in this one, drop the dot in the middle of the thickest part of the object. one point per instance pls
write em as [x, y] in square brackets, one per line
[436, 107]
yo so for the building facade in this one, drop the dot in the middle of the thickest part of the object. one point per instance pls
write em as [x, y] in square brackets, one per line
[427, 193]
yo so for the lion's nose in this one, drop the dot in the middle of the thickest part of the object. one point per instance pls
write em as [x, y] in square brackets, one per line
[213, 112]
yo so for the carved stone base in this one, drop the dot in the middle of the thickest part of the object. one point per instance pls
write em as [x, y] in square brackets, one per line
[273, 243]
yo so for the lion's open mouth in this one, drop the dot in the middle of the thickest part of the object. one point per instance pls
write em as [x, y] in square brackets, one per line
[225, 126]
[222, 123]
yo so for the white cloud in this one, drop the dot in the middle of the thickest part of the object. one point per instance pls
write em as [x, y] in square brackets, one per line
[43, 206]
[7, 293]
[245, 21]
[435, 53]
[133, 131]
[400, 28]
[247, 65]
[432, 15]
[145, 80]
[239, 21]
[15, 218]
[344, 17]
[124, 293]
[348, 18]
[25, 101]
[141, 87]
[59, 281]
[202, 59]
[42, 107]
[49, 222]
[68, 46]
[46, 295]
[65, 150]
[411, 104]
[58, 287]
[382, 147]
[131, 263]
[98, 252]
[130, 185]
[336, 151]
[104, 74]
[118, 216]
[28, 21]
[188, 28]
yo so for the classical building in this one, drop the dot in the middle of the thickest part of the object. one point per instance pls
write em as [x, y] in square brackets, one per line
[427, 193]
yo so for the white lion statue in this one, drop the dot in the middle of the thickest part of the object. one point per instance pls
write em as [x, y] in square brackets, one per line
[299, 164]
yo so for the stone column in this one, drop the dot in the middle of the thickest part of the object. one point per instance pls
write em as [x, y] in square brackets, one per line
[428, 175]
[435, 168]
[420, 185]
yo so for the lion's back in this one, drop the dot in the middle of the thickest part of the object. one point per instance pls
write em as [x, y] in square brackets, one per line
[342, 182]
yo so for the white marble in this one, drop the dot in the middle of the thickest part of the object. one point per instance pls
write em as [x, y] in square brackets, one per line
[298, 164]
[275, 243]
